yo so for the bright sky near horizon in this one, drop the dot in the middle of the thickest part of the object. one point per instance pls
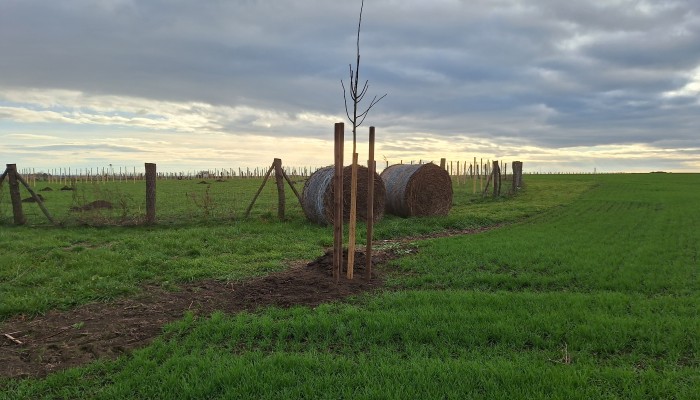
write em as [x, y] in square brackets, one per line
[610, 85]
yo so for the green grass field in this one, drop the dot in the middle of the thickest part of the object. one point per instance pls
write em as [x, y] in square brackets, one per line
[591, 290]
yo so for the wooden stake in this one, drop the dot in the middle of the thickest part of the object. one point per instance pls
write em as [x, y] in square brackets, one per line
[7, 335]
[372, 166]
[267, 176]
[353, 217]
[486, 187]
[291, 185]
[338, 202]
[37, 199]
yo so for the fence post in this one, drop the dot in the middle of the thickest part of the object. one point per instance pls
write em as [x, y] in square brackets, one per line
[150, 193]
[517, 171]
[496, 171]
[15, 195]
[279, 179]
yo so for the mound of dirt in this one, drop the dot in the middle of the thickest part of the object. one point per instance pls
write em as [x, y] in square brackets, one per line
[46, 189]
[202, 183]
[32, 200]
[97, 204]
[62, 339]
[67, 188]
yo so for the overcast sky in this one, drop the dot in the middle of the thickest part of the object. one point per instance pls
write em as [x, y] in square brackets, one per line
[612, 85]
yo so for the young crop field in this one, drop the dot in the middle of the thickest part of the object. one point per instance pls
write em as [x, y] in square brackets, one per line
[580, 286]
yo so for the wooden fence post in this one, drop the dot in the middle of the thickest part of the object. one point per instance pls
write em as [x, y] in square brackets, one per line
[279, 180]
[496, 171]
[517, 171]
[15, 196]
[150, 193]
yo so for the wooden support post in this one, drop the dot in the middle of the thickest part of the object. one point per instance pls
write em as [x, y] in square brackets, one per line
[279, 179]
[150, 193]
[442, 163]
[338, 201]
[486, 187]
[15, 196]
[267, 176]
[291, 185]
[352, 229]
[372, 167]
[37, 199]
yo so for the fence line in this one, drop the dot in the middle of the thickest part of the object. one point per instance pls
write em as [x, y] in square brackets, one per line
[462, 171]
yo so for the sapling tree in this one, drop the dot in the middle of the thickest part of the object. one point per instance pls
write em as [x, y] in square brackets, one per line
[356, 95]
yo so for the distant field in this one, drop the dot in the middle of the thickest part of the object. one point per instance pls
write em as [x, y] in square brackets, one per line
[589, 290]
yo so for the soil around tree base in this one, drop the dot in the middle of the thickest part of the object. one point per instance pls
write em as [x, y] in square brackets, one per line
[62, 339]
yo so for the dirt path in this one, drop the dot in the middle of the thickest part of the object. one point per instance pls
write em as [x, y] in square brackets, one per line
[64, 339]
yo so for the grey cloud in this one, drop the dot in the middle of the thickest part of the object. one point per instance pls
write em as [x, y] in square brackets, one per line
[477, 67]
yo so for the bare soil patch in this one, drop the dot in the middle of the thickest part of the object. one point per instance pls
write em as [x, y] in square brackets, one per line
[94, 205]
[35, 347]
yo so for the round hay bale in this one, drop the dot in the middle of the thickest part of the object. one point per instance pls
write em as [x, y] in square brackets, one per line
[417, 190]
[317, 196]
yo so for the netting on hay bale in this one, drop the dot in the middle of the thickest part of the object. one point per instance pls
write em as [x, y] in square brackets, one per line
[317, 197]
[417, 190]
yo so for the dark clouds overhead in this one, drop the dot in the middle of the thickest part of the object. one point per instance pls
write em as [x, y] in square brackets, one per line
[550, 73]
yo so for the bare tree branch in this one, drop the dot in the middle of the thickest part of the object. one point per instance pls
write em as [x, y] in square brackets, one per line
[356, 96]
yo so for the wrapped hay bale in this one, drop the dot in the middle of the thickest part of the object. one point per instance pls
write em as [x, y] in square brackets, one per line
[417, 190]
[317, 197]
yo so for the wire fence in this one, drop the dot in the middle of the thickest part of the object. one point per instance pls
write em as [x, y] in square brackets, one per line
[116, 195]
